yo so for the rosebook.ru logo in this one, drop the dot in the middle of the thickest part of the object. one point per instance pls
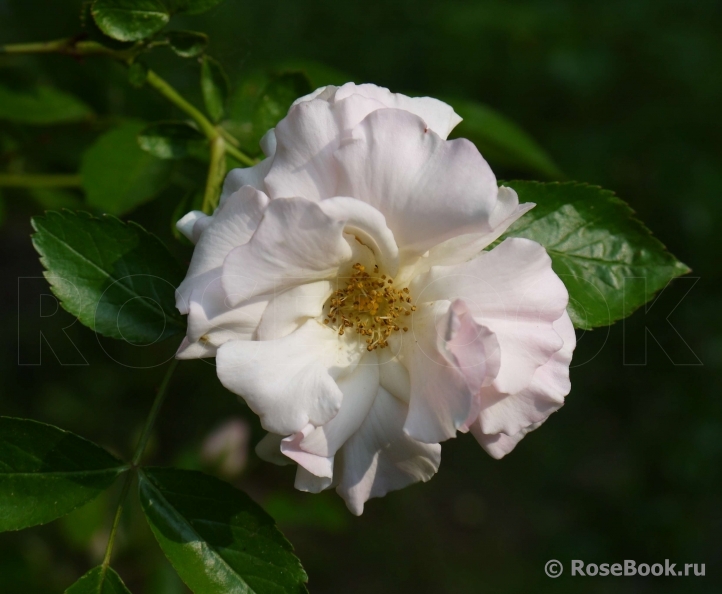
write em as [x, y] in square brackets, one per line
[628, 567]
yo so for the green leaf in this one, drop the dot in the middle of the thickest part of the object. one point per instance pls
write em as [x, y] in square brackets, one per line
[46, 472]
[501, 141]
[594, 243]
[214, 87]
[115, 277]
[99, 580]
[172, 140]
[130, 20]
[137, 74]
[187, 44]
[276, 98]
[92, 32]
[118, 175]
[41, 105]
[216, 537]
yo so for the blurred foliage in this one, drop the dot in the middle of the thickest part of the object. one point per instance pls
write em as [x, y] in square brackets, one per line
[620, 94]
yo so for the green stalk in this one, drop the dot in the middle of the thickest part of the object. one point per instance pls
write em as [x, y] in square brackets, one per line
[216, 173]
[116, 522]
[139, 449]
[153, 414]
[72, 47]
[176, 99]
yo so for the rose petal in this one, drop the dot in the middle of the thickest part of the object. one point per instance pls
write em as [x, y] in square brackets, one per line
[359, 390]
[438, 116]
[290, 382]
[449, 357]
[295, 243]
[380, 457]
[509, 414]
[464, 247]
[291, 309]
[310, 483]
[269, 449]
[513, 291]
[429, 189]
[232, 225]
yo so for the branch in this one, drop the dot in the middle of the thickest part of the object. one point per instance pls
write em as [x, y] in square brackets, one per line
[71, 46]
[216, 173]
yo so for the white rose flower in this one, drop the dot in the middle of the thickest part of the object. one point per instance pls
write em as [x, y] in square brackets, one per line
[344, 288]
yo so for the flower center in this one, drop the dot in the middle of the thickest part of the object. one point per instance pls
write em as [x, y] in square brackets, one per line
[369, 305]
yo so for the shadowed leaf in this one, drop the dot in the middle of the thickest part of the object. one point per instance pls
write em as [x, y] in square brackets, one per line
[46, 472]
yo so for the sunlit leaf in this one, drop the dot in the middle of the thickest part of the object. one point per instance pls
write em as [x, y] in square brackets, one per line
[99, 580]
[595, 243]
[214, 87]
[130, 20]
[46, 472]
[117, 278]
[41, 105]
[118, 175]
[216, 537]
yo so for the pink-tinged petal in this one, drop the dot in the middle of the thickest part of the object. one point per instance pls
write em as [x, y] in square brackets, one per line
[511, 413]
[429, 189]
[232, 225]
[449, 357]
[303, 164]
[289, 310]
[310, 483]
[380, 457]
[295, 243]
[246, 176]
[321, 466]
[290, 382]
[438, 116]
[269, 450]
[513, 291]
[465, 247]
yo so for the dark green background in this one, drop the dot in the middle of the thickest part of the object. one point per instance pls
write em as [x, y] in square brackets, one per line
[625, 94]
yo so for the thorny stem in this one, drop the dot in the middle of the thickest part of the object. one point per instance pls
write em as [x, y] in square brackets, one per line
[139, 449]
[215, 134]
[10, 180]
